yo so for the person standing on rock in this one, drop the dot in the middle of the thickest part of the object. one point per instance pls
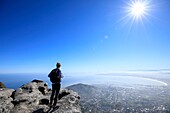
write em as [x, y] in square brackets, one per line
[55, 77]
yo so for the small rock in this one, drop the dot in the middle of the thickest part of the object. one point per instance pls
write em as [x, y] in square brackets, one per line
[2, 85]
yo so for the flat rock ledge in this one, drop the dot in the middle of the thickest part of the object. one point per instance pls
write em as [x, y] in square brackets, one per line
[34, 97]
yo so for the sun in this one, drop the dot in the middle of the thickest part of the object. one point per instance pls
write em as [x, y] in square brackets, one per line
[136, 14]
[138, 9]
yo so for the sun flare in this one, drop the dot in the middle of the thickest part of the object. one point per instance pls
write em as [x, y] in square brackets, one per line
[137, 14]
[138, 9]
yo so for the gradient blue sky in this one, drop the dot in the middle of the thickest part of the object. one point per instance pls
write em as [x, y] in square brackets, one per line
[84, 35]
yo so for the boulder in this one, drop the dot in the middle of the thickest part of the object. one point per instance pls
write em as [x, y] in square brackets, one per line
[30, 93]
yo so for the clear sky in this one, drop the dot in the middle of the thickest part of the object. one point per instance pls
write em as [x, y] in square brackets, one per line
[84, 35]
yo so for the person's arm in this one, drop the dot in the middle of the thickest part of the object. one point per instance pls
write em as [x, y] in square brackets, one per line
[50, 74]
[60, 74]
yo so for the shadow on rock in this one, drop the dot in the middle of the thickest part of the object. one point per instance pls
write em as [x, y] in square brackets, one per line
[52, 109]
[62, 94]
[41, 110]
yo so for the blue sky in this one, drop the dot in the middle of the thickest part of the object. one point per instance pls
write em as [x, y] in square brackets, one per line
[84, 35]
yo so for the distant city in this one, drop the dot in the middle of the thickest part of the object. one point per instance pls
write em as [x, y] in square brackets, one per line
[115, 99]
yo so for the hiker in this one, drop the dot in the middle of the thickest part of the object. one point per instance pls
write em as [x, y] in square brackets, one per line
[55, 77]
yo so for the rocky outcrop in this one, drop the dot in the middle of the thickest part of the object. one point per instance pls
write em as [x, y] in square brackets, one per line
[5, 100]
[34, 97]
[69, 102]
[2, 85]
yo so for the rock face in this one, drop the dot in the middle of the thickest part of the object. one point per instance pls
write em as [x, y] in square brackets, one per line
[5, 100]
[34, 97]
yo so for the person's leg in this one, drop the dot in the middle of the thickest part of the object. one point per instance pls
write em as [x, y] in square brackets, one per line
[52, 94]
[56, 94]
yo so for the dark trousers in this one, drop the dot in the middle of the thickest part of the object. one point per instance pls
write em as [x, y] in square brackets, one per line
[55, 92]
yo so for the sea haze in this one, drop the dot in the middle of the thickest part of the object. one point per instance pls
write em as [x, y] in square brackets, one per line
[121, 80]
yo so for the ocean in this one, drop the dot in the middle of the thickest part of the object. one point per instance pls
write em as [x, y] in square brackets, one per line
[14, 81]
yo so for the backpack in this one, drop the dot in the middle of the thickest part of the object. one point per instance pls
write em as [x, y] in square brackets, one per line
[54, 76]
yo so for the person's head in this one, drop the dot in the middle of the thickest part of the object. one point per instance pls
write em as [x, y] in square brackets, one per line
[58, 65]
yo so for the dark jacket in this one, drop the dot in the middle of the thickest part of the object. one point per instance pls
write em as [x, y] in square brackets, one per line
[55, 75]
